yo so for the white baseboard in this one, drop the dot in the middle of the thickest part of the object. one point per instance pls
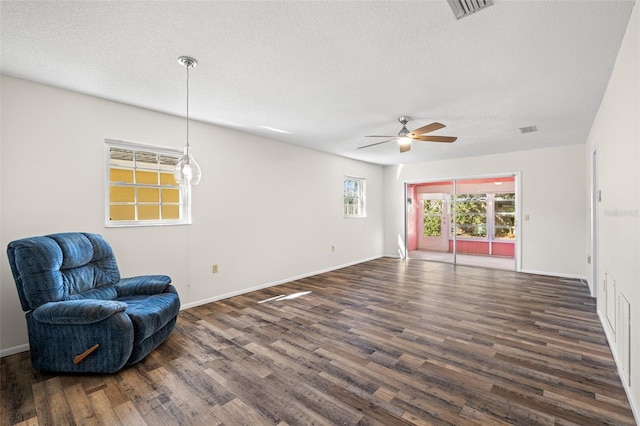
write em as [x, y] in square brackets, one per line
[393, 256]
[614, 351]
[556, 274]
[271, 284]
[14, 350]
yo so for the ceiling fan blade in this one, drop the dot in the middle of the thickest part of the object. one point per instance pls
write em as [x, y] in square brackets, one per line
[377, 143]
[428, 128]
[405, 148]
[434, 138]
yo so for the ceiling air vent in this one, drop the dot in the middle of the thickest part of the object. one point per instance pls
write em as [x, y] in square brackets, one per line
[528, 129]
[462, 8]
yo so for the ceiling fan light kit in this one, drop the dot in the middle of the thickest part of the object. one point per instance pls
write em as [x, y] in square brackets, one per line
[406, 137]
[405, 144]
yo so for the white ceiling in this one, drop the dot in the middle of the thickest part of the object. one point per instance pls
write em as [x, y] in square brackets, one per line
[331, 72]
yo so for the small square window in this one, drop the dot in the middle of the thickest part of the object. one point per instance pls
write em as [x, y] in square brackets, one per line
[140, 188]
[353, 197]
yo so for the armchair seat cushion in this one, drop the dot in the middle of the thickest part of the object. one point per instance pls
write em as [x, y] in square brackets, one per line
[149, 314]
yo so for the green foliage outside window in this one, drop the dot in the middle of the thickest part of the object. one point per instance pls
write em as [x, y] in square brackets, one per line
[504, 215]
[432, 218]
[471, 215]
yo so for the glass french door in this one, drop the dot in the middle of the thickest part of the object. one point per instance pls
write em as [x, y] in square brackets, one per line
[434, 220]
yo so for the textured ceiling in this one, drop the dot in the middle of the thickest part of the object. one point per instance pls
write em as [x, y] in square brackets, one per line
[331, 72]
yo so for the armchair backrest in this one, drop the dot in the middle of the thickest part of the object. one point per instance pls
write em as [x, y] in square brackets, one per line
[60, 267]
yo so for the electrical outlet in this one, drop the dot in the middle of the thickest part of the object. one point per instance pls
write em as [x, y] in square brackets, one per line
[214, 269]
[333, 248]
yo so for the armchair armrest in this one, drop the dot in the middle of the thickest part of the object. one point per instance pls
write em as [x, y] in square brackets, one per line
[85, 311]
[143, 285]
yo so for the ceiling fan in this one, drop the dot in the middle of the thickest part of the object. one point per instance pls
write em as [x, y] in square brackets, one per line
[405, 136]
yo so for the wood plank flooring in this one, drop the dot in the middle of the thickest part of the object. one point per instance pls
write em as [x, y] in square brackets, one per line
[386, 342]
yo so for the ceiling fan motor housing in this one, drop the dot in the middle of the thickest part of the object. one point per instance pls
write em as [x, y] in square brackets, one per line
[404, 131]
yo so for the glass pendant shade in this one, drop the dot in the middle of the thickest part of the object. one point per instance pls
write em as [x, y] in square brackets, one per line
[187, 170]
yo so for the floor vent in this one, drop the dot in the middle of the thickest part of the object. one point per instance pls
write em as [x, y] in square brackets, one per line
[624, 341]
[462, 8]
[574, 280]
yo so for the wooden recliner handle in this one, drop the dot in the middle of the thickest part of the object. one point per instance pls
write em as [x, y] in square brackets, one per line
[79, 358]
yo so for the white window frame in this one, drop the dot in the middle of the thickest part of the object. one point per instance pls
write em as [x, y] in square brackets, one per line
[185, 190]
[354, 199]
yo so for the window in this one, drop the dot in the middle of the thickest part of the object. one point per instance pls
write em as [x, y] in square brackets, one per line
[505, 216]
[471, 216]
[140, 188]
[477, 213]
[354, 196]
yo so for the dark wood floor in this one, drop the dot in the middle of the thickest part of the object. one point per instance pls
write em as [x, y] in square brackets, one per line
[386, 342]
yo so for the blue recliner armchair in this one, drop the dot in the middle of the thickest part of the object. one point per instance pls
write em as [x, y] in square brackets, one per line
[81, 316]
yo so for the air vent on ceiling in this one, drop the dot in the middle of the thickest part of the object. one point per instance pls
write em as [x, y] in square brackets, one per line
[528, 129]
[462, 8]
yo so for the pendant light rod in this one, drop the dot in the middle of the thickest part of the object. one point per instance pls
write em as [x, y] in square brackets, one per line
[187, 62]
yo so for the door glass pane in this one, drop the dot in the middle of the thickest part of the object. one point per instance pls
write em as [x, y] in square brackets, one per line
[432, 222]
[470, 226]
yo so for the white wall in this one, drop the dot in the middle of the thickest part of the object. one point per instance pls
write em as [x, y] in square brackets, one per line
[615, 136]
[264, 211]
[552, 194]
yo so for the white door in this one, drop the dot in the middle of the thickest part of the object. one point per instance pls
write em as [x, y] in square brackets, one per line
[433, 225]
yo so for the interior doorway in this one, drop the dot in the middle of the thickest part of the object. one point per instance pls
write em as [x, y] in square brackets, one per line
[469, 221]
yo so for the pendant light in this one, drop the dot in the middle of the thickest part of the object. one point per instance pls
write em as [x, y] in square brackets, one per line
[187, 171]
